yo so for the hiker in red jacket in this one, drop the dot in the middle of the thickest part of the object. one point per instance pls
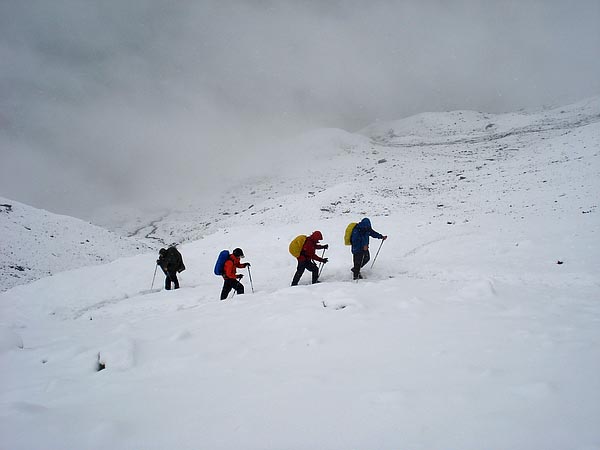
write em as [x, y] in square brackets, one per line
[308, 256]
[230, 277]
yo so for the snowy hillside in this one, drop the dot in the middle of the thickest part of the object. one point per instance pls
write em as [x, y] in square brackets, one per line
[449, 166]
[36, 244]
[476, 327]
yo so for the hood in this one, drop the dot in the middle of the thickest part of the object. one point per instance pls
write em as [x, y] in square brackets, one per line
[316, 236]
[365, 223]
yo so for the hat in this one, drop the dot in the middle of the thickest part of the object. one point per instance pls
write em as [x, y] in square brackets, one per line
[238, 252]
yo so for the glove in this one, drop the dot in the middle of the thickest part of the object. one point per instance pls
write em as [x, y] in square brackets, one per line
[384, 238]
[247, 265]
[326, 246]
[240, 276]
[325, 260]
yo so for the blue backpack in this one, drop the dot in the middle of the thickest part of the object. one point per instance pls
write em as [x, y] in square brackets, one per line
[220, 264]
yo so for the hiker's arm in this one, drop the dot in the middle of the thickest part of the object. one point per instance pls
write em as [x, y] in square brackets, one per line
[375, 234]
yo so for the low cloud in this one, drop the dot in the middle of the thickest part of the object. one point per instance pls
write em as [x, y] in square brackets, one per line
[107, 102]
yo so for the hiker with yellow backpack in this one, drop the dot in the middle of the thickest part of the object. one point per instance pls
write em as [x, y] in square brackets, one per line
[357, 235]
[304, 249]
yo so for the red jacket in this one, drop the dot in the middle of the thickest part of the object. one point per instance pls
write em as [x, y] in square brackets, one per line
[310, 247]
[230, 265]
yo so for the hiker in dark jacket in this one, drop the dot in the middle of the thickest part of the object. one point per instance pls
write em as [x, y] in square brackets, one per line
[360, 245]
[230, 277]
[308, 256]
[171, 262]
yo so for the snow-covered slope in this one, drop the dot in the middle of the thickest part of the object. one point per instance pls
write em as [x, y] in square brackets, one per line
[477, 326]
[453, 165]
[36, 243]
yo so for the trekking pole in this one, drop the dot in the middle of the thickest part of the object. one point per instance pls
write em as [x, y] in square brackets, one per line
[250, 276]
[322, 264]
[156, 267]
[374, 259]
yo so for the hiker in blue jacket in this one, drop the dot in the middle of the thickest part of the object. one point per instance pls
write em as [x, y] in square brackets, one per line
[360, 245]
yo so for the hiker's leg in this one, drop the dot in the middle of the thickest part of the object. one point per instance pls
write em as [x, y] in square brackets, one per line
[315, 271]
[357, 260]
[299, 272]
[239, 287]
[173, 277]
[226, 288]
[366, 257]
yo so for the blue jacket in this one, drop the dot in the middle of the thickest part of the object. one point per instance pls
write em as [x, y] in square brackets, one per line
[360, 235]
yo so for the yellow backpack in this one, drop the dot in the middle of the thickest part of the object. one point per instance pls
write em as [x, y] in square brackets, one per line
[296, 245]
[348, 233]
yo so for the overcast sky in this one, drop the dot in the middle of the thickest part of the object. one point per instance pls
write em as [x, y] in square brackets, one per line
[113, 101]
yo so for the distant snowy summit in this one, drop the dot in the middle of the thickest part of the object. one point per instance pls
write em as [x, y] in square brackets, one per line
[469, 127]
[36, 243]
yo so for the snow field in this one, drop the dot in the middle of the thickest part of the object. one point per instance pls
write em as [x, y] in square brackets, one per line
[462, 346]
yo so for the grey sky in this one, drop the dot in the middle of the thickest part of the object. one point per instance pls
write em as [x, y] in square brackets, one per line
[110, 101]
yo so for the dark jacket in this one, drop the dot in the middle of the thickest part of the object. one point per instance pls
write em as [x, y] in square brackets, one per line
[171, 260]
[311, 245]
[360, 235]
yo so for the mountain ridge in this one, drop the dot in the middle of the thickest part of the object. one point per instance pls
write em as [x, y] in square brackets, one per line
[401, 175]
[37, 243]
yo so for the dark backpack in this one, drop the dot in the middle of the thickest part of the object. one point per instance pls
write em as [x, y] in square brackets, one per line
[220, 264]
[174, 259]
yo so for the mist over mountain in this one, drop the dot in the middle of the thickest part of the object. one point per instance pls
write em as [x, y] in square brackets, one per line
[409, 165]
[147, 105]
